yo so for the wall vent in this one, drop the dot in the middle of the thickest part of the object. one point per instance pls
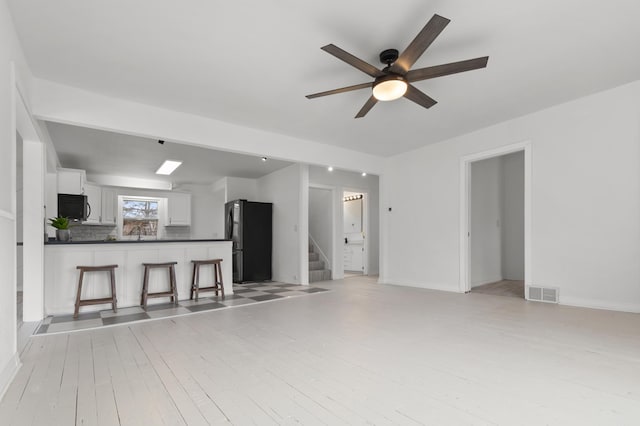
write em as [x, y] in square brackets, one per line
[543, 294]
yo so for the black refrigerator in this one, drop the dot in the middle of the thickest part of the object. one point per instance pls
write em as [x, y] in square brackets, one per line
[248, 224]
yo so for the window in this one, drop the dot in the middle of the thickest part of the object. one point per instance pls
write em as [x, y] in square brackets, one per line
[139, 218]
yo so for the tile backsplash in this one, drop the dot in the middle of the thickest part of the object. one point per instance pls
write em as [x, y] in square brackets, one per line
[92, 232]
[177, 232]
[99, 233]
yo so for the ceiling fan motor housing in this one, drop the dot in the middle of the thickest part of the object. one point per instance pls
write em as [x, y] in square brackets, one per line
[389, 56]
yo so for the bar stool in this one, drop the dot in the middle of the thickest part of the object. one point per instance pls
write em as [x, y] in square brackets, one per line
[112, 278]
[173, 290]
[217, 277]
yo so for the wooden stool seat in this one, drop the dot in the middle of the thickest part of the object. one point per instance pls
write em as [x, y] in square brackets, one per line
[173, 290]
[217, 277]
[112, 278]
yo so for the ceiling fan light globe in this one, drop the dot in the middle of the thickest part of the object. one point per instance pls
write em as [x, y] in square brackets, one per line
[390, 89]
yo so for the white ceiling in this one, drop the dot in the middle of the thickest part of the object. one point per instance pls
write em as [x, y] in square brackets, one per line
[252, 62]
[106, 153]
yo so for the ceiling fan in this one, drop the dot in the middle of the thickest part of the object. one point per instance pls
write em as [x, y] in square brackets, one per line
[394, 80]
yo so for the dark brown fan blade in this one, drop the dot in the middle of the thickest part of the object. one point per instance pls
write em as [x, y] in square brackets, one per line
[447, 69]
[419, 97]
[419, 44]
[352, 60]
[341, 90]
[367, 107]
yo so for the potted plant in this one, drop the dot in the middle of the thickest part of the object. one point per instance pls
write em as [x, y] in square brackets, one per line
[62, 225]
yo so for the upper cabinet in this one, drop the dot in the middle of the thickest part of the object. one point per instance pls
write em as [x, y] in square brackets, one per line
[109, 206]
[178, 209]
[71, 181]
[103, 204]
[94, 199]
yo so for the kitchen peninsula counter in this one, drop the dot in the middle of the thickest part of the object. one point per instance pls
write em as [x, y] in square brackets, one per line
[61, 275]
[56, 242]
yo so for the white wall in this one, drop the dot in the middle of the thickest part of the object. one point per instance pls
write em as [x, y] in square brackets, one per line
[51, 200]
[241, 189]
[206, 212]
[342, 180]
[217, 213]
[11, 58]
[585, 201]
[321, 220]
[512, 216]
[65, 104]
[283, 189]
[486, 212]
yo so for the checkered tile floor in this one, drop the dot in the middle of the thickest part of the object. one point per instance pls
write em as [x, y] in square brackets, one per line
[244, 294]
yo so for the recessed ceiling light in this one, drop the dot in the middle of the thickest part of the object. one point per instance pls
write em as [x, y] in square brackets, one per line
[364, 174]
[264, 158]
[168, 167]
[330, 168]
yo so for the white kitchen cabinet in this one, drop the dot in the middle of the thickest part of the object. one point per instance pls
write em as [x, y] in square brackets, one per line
[94, 199]
[71, 181]
[178, 209]
[109, 206]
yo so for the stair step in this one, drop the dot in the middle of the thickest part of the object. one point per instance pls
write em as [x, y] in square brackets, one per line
[319, 275]
[314, 257]
[316, 265]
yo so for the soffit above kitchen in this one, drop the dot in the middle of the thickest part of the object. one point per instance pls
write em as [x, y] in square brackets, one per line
[252, 63]
[112, 154]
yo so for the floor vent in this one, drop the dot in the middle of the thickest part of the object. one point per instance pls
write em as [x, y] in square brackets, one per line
[543, 294]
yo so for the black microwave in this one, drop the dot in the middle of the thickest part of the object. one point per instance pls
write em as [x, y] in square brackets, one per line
[74, 207]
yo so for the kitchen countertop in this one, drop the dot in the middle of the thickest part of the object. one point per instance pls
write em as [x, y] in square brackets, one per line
[60, 243]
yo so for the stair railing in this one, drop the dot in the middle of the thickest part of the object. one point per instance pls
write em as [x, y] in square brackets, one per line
[323, 257]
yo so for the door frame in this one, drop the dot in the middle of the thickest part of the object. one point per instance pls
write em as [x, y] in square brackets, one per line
[465, 205]
[332, 189]
[35, 160]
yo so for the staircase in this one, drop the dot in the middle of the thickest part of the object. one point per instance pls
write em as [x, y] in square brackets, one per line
[317, 271]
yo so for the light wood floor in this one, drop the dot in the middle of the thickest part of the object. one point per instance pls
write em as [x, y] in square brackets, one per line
[363, 353]
[509, 288]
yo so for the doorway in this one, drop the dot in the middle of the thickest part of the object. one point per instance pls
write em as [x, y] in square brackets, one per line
[321, 234]
[495, 224]
[354, 225]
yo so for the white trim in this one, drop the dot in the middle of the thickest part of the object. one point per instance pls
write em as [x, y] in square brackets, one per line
[423, 285]
[7, 215]
[162, 214]
[34, 198]
[599, 304]
[303, 224]
[320, 186]
[9, 373]
[465, 168]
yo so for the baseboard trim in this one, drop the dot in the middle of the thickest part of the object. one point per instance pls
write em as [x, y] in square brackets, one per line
[485, 281]
[593, 304]
[426, 286]
[9, 373]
